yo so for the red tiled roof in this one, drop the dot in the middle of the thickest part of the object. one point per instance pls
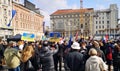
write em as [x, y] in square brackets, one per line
[68, 11]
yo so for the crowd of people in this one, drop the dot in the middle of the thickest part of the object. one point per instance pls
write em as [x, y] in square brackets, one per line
[81, 55]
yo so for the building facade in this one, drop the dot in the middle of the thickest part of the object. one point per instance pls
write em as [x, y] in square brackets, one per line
[70, 21]
[27, 21]
[5, 18]
[105, 23]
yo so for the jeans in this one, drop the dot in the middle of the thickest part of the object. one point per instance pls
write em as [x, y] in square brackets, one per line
[15, 69]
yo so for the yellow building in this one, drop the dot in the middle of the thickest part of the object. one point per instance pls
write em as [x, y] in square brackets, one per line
[27, 21]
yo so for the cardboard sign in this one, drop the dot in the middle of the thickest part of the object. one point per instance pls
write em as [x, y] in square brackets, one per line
[28, 37]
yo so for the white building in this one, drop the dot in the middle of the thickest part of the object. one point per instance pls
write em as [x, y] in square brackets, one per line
[105, 21]
[5, 17]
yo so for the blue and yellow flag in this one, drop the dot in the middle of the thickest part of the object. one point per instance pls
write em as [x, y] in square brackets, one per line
[13, 14]
[28, 37]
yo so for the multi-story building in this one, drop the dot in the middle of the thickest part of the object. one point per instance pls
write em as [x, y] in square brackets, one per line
[70, 21]
[106, 21]
[27, 20]
[118, 27]
[5, 18]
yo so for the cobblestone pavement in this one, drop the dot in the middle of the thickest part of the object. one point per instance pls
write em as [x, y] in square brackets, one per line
[5, 68]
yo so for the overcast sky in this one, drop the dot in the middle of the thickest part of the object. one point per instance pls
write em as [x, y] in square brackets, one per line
[49, 6]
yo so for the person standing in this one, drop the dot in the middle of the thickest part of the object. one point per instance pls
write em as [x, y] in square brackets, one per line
[46, 56]
[95, 63]
[1, 54]
[74, 59]
[12, 57]
[58, 57]
[116, 57]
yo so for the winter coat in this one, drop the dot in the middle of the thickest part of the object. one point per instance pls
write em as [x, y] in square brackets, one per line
[75, 61]
[116, 58]
[1, 53]
[46, 58]
[95, 63]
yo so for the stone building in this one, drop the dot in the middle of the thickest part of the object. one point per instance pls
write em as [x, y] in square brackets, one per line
[5, 18]
[27, 20]
[106, 21]
[70, 21]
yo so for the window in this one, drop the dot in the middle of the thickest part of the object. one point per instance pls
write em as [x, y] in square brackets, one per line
[68, 15]
[9, 13]
[103, 13]
[107, 22]
[76, 15]
[96, 27]
[96, 22]
[107, 15]
[103, 27]
[102, 17]
[4, 1]
[99, 26]
[5, 11]
[81, 25]
[8, 2]
[65, 16]
[72, 15]
[5, 21]
[107, 26]
[102, 32]
[102, 22]
[99, 22]
[96, 32]
[99, 17]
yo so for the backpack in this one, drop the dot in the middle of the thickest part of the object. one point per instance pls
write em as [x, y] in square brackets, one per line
[109, 54]
[12, 57]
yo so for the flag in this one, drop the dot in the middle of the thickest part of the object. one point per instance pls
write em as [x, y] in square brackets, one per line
[70, 42]
[44, 27]
[105, 38]
[28, 37]
[76, 36]
[13, 14]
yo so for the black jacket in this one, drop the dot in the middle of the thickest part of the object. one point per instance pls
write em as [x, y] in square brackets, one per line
[46, 58]
[75, 61]
[1, 52]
